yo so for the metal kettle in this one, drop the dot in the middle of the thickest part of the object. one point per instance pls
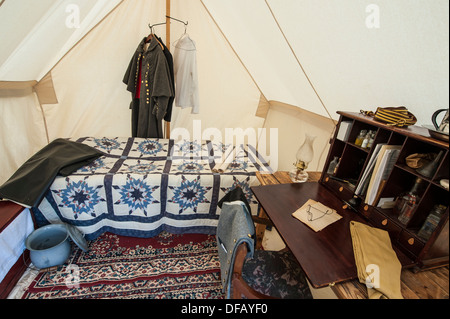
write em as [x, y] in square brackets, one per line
[443, 127]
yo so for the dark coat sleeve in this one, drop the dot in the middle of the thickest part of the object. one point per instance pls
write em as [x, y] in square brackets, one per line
[130, 75]
[169, 58]
[28, 185]
[162, 87]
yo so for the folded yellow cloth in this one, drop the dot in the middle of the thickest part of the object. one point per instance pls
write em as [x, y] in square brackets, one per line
[377, 263]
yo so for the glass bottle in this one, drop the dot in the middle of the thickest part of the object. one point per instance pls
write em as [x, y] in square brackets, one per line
[432, 221]
[407, 203]
[366, 140]
[332, 165]
[371, 140]
[360, 137]
[304, 156]
[337, 167]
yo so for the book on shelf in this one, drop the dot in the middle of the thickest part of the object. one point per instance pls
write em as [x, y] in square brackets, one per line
[344, 131]
[365, 179]
[377, 172]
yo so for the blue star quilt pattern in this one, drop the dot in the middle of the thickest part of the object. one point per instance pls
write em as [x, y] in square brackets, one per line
[140, 187]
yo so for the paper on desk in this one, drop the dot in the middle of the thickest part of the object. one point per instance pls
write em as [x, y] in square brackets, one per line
[319, 216]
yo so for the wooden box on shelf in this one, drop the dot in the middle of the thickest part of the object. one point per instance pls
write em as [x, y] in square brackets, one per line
[361, 172]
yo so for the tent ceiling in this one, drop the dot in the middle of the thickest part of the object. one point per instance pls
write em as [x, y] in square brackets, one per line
[346, 64]
[42, 32]
[318, 55]
[254, 34]
[351, 66]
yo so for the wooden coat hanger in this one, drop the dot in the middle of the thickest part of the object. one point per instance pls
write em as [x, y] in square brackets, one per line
[150, 36]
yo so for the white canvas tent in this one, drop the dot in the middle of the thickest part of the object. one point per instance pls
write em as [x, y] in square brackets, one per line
[284, 64]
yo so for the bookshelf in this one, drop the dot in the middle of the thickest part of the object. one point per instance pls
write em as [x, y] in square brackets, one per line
[395, 178]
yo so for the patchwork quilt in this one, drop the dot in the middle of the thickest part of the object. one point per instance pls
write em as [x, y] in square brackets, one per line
[140, 187]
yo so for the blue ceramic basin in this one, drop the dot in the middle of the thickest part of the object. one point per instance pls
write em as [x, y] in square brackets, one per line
[49, 246]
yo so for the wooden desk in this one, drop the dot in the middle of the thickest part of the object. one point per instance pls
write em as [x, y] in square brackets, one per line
[431, 284]
[273, 179]
[326, 256]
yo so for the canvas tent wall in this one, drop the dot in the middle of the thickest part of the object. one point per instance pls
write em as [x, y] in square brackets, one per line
[292, 62]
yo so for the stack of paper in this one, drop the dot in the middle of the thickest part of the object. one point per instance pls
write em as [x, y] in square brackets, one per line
[365, 179]
[316, 215]
[344, 131]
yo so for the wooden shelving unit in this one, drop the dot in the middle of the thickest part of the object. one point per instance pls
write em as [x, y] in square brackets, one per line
[353, 162]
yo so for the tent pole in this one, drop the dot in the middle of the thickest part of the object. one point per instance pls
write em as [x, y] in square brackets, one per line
[168, 24]
[168, 48]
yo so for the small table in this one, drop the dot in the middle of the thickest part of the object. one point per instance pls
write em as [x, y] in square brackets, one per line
[430, 284]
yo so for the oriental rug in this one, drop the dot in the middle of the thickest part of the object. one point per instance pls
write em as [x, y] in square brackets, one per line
[167, 266]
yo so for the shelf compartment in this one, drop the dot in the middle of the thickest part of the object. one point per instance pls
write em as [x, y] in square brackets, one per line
[394, 189]
[443, 170]
[356, 129]
[396, 139]
[434, 196]
[413, 146]
[382, 136]
[354, 159]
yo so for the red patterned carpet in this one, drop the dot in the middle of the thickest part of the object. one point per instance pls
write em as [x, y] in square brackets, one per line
[165, 267]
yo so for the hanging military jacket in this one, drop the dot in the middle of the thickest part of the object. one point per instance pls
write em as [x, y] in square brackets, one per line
[169, 58]
[149, 81]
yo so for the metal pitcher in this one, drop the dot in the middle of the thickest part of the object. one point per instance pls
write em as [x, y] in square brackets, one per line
[443, 127]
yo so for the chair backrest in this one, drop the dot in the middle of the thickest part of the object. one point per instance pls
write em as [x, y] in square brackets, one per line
[235, 238]
[235, 226]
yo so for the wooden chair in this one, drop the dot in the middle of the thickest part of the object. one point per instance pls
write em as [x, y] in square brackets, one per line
[268, 275]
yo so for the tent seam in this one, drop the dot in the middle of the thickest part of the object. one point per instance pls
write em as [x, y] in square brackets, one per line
[298, 61]
[234, 51]
[83, 37]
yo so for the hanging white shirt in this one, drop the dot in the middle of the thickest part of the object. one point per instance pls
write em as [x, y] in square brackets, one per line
[186, 78]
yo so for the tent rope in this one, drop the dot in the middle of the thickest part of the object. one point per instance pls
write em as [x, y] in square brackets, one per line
[306, 75]
[234, 51]
[298, 61]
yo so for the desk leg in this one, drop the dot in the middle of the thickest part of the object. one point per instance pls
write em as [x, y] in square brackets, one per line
[260, 229]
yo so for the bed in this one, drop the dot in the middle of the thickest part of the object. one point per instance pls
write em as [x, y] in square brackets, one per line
[140, 187]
